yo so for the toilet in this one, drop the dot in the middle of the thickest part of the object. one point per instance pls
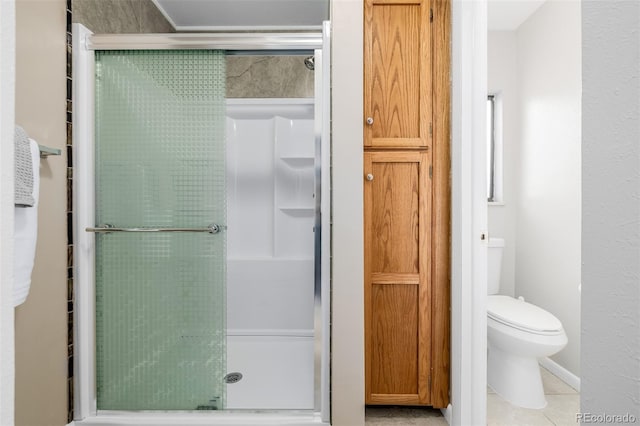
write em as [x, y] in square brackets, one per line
[518, 333]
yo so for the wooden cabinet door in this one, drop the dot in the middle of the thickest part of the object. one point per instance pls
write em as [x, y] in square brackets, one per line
[397, 73]
[397, 234]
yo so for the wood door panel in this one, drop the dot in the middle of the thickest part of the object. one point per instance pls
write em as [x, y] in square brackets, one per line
[394, 399]
[407, 204]
[395, 102]
[395, 217]
[394, 339]
[397, 277]
[407, 200]
[397, 73]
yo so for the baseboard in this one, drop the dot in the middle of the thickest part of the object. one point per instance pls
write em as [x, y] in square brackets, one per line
[562, 373]
[71, 424]
[446, 412]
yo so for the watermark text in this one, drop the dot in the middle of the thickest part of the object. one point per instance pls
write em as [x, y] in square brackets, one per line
[616, 419]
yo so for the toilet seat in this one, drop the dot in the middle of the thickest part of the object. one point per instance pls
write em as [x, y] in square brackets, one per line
[522, 315]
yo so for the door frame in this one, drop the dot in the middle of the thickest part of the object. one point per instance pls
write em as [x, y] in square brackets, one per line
[7, 131]
[85, 401]
[84, 325]
[469, 214]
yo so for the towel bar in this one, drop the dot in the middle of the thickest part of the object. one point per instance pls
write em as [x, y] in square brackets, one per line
[46, 151]
[107, 228]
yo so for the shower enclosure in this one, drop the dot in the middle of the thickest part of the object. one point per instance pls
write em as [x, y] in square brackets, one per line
[201, 234]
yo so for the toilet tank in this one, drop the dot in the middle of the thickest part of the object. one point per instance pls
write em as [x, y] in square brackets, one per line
[494, 256]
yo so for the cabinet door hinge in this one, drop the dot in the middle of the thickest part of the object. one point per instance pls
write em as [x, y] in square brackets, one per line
[429, 381]
[430, 172]
[430, 15]
[430, 129]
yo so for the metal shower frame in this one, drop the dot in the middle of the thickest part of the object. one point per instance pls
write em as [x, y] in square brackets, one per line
[84, 45]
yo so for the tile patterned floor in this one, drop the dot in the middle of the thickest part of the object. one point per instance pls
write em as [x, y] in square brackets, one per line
[404, 416]
[563, 402]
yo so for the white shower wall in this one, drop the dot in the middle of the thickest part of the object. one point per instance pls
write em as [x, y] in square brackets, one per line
[270, 252]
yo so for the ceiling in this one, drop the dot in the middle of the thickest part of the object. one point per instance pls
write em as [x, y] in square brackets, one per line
[209, 15]
[508, 15]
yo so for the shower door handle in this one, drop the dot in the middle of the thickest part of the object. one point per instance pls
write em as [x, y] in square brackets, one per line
[108, 228]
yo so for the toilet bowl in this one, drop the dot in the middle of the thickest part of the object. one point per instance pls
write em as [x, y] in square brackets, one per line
[518, 333]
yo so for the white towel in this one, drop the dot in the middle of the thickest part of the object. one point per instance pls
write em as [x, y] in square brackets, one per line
[25, 234]
[23, 169]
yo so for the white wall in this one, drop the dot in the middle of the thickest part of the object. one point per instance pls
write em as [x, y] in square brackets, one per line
[549, 178]
[502, 69]
[611, 208]
[536, 72]
[41, 322]
[347, 299]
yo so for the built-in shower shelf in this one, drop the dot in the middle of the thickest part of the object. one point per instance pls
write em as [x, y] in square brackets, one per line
[298, 210]
[299, 162]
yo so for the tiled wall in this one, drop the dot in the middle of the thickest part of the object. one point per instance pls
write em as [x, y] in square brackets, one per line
[120, 16]
[70, 296]
[268, 77]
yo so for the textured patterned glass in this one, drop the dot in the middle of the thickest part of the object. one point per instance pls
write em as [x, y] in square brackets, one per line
[160, 297]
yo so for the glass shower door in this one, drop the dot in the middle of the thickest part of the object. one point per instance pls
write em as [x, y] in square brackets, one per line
[160, 274]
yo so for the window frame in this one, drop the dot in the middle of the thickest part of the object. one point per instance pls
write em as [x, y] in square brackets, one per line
[491, 148]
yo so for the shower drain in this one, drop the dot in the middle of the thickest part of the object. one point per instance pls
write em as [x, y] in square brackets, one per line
[233, 377]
